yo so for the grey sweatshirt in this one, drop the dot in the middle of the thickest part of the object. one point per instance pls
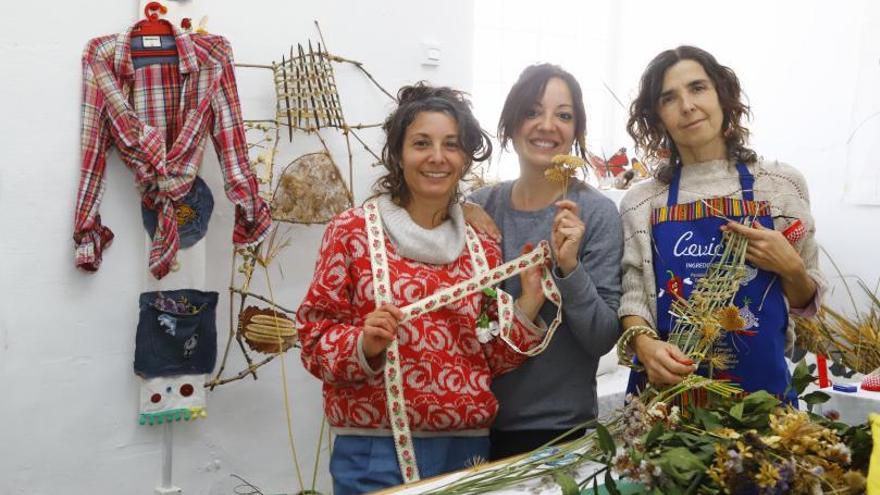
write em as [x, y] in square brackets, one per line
[557, 389]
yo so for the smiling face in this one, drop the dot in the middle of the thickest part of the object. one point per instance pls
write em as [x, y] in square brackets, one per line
[549, 127]
[432, 158]
[691, 113]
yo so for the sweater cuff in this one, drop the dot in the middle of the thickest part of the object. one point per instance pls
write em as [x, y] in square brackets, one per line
[574, 282]
[812, 307]
[364, 362]
[536, 328]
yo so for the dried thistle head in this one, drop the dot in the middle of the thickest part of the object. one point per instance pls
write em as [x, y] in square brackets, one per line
[709, 331]
[730, 319]
[721, 359]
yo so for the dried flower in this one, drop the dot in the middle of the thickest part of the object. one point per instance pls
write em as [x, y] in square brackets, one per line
[729, 318]
[563, 169]
[767, 476]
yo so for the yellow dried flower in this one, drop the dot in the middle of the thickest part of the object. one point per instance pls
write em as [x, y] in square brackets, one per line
[855, 481]
[768, 475]
[721, 360]
[710, 331]
[568, 161]
[728, 433]
[729, 318]
[560, 175]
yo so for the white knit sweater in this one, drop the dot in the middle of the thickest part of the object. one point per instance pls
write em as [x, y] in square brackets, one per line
[780, 184]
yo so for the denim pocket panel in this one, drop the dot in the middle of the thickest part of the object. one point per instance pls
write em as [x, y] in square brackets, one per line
[175, 339]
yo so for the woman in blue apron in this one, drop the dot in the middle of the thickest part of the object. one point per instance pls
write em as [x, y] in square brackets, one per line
[689, 113]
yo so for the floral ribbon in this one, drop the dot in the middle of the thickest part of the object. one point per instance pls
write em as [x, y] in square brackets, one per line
[483, 278]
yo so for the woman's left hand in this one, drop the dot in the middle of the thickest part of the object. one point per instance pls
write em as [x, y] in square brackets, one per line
[769, 250]
[568, 231]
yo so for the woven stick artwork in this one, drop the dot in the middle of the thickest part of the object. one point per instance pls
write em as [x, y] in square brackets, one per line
[309, 190]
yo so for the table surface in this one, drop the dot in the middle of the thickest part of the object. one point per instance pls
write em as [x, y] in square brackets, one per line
[853, 407]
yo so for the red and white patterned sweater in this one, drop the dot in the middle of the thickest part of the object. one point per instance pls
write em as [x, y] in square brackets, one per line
[446, 370]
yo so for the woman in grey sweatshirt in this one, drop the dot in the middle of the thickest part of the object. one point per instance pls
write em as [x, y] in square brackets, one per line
[544, 116]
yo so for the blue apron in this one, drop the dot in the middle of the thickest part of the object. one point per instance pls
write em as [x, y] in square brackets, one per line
[686, 239]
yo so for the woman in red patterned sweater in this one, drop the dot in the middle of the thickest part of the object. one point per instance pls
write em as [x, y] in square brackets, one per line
[410, 396]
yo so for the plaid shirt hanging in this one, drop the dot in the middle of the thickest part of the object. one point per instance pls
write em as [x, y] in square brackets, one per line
[159, 117]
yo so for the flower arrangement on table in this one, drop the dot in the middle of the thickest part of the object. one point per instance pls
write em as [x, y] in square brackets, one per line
[702, 436]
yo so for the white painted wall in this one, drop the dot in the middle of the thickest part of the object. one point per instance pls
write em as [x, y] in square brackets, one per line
[69, 397]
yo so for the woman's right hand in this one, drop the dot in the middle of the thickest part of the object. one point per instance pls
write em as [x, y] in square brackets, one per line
[664, 363]
[380, 328]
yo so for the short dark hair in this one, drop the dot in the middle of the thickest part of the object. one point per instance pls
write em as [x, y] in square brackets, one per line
[644, 124]
[528, 90]
[422, 97]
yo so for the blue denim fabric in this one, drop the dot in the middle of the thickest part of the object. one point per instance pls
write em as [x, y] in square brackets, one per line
[200, 199]
[174, 338]
[362, 464]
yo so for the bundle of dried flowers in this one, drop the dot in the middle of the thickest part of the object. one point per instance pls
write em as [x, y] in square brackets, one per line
[853, 341]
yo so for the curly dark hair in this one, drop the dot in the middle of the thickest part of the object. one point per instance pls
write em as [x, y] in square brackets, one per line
[646, 129]
[422, 97]
[528, 90]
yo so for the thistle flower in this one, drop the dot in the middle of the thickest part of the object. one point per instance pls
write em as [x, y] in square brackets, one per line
[721, 359]
[710, 331]
[729, 318]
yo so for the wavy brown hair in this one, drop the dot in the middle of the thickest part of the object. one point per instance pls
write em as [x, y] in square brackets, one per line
[413, 100]
[646, 129]
[528, 90]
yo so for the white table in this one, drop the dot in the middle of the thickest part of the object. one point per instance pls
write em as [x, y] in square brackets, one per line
[853, 407]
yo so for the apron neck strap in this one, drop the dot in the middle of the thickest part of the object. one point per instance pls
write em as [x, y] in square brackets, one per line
[746, 182]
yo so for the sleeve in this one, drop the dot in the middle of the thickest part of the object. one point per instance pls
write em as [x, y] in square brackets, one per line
[526, 334]
[591, 293]
[89, 235]
[252, 215]
[794, 205]
[330, 342]
[636, 298]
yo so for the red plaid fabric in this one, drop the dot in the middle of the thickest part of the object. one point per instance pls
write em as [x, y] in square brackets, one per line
[158, 117]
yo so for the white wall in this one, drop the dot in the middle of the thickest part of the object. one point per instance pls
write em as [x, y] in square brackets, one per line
[68, 420]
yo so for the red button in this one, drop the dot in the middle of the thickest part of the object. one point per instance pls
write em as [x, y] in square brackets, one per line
[155, 398]
[186, 390]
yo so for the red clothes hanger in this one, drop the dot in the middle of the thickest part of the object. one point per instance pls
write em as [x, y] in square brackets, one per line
[153, 26]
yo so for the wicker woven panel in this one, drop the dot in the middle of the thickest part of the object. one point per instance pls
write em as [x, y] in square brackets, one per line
[310, 190]
[306, 92]
[265, 330]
